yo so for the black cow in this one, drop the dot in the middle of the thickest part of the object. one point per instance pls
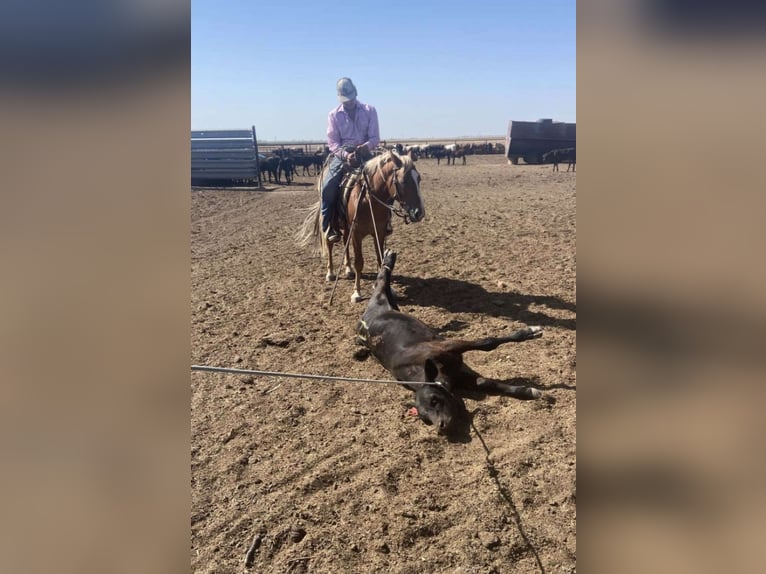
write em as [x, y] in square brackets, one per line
[411, 351]
[437, 151]
[557, 156]
[319, 158]
[270, 165]
[440, 154]
[286, 166]
[455, 151]
[304, 161]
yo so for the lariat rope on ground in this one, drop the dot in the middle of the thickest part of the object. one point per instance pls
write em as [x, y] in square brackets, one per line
[304, 376]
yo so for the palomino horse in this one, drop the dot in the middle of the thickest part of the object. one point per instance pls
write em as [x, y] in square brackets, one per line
[366, 210]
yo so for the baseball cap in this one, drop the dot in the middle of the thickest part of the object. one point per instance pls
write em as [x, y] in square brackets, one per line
[346, 90]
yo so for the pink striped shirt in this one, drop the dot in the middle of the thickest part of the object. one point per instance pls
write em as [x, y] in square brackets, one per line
[342, 131]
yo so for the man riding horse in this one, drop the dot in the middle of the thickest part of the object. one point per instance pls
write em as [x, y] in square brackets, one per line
[352, 134]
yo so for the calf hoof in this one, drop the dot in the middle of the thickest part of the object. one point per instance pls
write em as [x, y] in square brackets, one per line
[356, 297]
[329, 277]
[361, 354]
[534, 332]
[350, 274]
[389, 259]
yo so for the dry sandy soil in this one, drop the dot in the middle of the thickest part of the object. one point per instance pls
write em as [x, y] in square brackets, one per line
[332, 477]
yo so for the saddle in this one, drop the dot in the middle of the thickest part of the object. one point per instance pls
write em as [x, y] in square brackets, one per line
[349, 181]
[351, 177]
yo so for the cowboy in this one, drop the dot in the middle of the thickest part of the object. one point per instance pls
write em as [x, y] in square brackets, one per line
[352, 134]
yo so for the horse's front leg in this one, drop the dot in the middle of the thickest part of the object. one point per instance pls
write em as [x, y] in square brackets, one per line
[330, 276]
[349, 272]
[358, 266]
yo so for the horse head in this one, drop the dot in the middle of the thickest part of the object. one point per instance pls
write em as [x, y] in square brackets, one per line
[402, 183]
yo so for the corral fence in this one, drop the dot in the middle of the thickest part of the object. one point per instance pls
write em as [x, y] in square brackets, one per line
[225, 157]
[296, 147]
[232, 157]
[477, 145]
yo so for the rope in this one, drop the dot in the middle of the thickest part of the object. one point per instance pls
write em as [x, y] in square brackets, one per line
[374, 225]
[303, 376]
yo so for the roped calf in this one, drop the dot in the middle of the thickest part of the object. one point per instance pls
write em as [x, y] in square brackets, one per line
[412, 351]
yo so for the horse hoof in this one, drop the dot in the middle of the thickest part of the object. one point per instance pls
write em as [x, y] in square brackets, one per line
[329, 277]
[356, 297]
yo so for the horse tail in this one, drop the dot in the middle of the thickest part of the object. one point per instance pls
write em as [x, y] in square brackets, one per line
[309, 234]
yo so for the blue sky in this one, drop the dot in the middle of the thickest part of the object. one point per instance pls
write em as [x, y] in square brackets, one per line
[432, 69]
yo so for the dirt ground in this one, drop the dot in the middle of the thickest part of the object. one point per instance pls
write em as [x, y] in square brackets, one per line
[336, 477]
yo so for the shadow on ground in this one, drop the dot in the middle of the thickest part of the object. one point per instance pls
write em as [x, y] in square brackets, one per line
[459, 296]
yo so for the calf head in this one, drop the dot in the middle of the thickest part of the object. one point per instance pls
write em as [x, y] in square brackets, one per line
[437, 405]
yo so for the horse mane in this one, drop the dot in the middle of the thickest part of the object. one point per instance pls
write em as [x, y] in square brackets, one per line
[376, 163]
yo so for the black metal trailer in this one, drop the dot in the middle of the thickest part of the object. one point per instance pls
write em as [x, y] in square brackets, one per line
[530, 140]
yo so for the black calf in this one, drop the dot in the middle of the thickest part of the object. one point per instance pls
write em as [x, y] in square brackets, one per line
[411, 351]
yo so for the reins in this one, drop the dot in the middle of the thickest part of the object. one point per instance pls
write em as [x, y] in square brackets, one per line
[372, 213]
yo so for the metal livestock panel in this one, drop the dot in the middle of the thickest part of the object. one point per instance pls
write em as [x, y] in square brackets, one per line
[224, 155]
[222, 134]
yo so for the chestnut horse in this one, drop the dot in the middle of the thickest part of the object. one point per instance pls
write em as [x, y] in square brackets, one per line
[368, 196]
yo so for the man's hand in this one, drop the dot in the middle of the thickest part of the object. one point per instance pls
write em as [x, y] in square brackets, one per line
[353, 161]
[363, 152]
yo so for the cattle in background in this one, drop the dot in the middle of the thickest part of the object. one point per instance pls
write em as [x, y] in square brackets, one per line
[304, 161]
[275, 166]
[413, 151]
[438, 152]
[557, 156]
[319, 158]
[454, 151]
[287, 167]
[270, 166]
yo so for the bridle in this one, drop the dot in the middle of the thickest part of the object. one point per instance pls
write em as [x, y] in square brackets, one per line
[398, 211]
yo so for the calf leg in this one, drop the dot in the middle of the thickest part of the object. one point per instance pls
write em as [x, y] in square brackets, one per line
[381, 301]
[489, 343]
[470, 384]
[382, 296]
[387, 267]
[490, 386]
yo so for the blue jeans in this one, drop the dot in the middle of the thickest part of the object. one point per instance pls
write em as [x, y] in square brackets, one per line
[330, 191]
